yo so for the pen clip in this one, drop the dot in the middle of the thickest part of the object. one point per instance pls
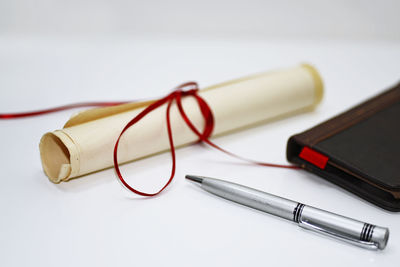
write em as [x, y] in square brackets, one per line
[337, 235]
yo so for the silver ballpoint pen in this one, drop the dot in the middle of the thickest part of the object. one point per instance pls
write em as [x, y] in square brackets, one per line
[356, 232]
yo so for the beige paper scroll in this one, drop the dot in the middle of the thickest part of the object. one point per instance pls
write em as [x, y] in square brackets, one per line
[86, 142]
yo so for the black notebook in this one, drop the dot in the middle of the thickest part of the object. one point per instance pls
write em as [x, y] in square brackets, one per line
[358, 150]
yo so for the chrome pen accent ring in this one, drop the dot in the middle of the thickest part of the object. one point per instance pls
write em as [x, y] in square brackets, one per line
[297, 212]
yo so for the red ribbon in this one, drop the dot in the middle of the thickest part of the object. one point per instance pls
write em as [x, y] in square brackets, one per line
[186, 89]
[18, 115]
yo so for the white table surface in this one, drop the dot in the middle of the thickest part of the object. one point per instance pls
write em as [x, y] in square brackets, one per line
[94, 221]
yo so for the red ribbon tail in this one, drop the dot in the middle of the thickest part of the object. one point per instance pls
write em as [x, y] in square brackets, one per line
[26, 114]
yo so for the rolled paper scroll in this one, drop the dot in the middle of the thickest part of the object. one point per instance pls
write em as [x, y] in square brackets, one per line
[86, 142]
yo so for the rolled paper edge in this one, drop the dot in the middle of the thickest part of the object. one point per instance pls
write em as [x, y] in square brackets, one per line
[59, 156]
[318, 83]
[98, 113]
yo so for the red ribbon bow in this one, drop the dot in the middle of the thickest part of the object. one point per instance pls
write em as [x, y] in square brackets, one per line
[188, 89]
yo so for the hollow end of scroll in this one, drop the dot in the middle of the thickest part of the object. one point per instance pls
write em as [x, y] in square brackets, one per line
[55, 158]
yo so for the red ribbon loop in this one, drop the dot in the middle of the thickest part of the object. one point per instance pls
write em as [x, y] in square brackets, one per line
[184, 90]
[203, 136]
[176, 95]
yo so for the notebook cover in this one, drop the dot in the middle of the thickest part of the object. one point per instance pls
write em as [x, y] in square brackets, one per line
[358, 150]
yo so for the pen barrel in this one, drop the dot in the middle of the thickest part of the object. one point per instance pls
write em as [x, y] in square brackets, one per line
[250, 197]
[341, 227]
[321, 221]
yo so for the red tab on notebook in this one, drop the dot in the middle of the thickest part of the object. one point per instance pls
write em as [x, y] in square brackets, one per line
[313, 157]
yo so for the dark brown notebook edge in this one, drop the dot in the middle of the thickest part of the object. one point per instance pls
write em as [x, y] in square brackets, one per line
[359, 187]
[395, 191]
[336, 172]
[350, 117]
[341, 122]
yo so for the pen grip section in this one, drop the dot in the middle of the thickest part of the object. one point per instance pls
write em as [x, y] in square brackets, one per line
[250, 197]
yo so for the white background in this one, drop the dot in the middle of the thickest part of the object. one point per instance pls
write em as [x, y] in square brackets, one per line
[58, 52]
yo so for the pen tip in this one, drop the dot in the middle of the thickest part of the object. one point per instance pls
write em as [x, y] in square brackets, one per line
[194, 178]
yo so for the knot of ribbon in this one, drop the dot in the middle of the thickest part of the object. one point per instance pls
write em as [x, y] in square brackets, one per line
[186, 89]
[189, 89]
